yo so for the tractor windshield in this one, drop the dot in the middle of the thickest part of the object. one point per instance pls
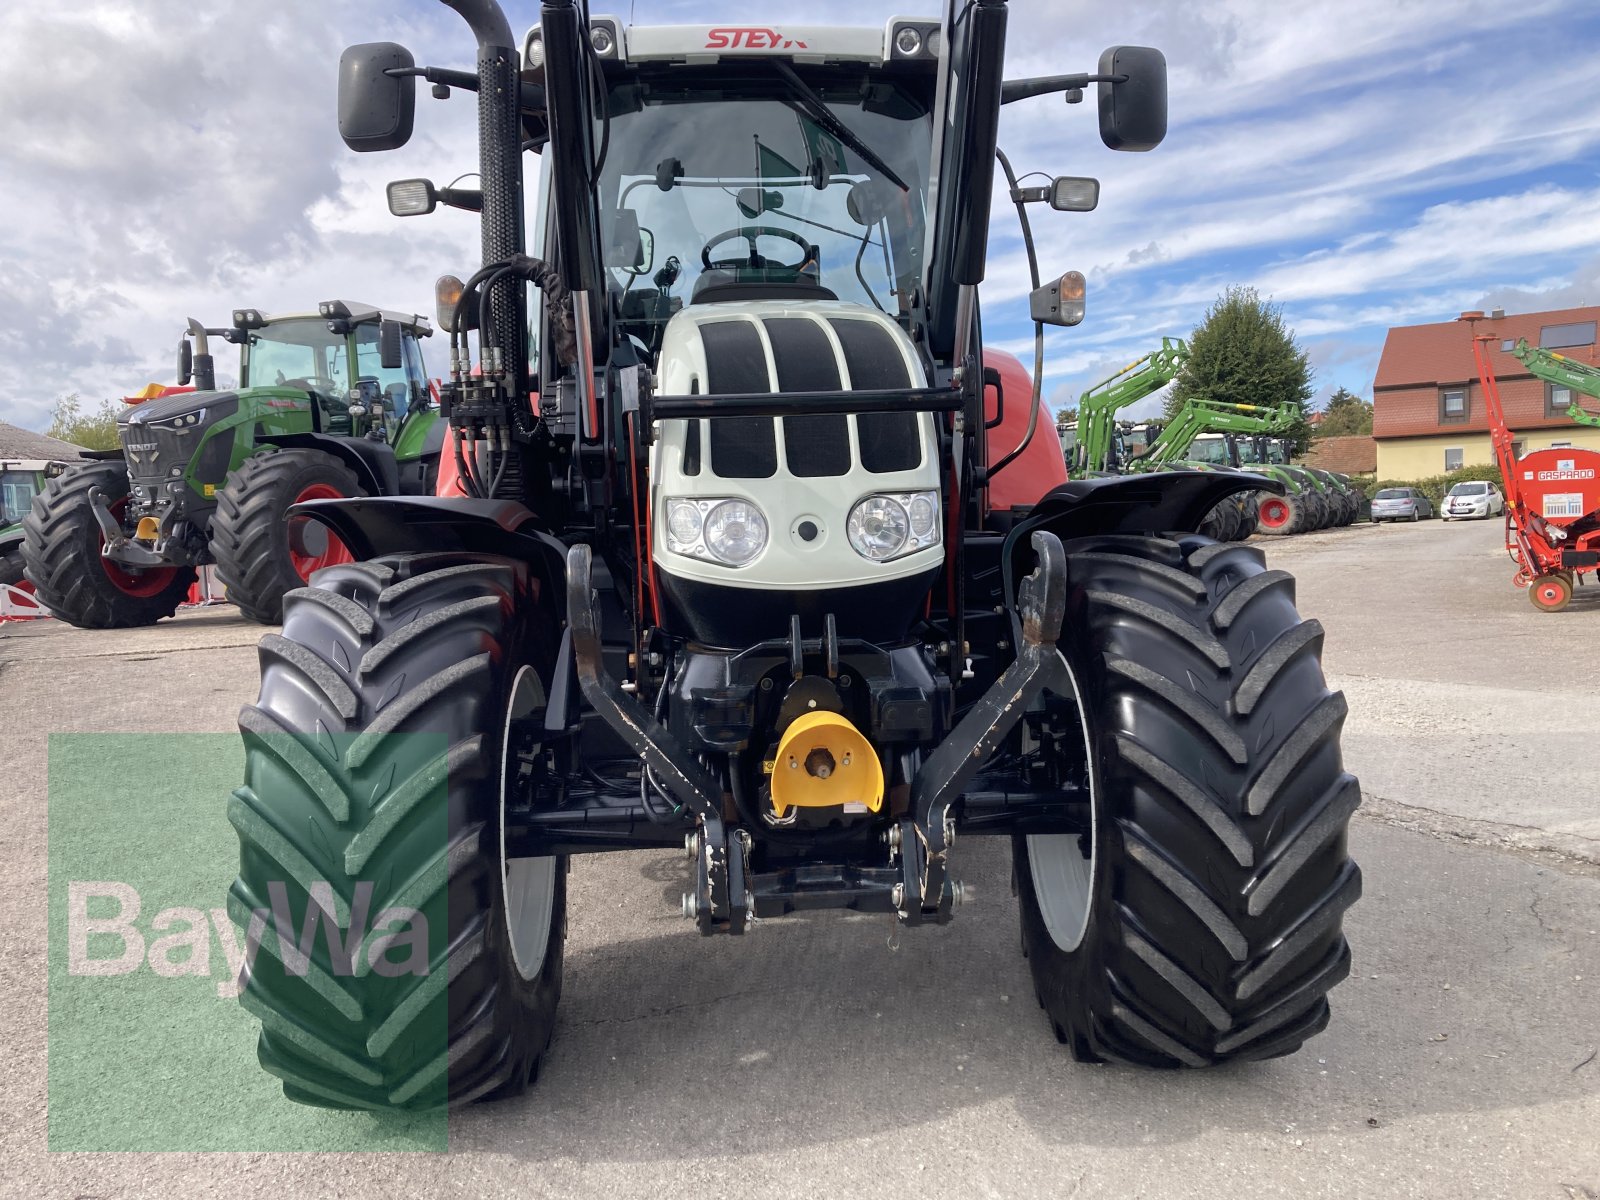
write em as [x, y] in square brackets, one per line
[300, 352]
[719, 187]
[1209, 450]
[17, 489]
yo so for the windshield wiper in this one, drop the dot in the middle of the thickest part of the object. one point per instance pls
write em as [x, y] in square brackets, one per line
[817, 109]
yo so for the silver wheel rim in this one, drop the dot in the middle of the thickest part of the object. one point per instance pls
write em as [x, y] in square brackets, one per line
[528, 885]
[1063, 878]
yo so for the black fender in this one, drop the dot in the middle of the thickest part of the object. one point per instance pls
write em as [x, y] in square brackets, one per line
[103, 455]
[372, 526]
[10, 540]
[1160, 502]
[372, 461]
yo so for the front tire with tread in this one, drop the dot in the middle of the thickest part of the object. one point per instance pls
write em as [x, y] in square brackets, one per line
[250, 531]
[373, 767]
[61, 552]
[1220, 873]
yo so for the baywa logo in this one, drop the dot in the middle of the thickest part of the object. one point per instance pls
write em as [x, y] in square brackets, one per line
[178, 940]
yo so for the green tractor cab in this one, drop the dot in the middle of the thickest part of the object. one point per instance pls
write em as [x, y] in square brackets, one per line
[330, 404]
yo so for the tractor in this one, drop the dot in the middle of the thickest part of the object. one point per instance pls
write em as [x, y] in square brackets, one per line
[1311, 498]
[330, 404]
[20, 481]
[745, 547]
[1238, 517]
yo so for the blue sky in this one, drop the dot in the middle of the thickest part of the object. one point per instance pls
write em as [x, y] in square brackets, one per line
[1363, 163]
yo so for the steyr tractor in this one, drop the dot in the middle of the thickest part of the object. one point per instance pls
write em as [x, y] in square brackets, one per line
[723, 562]
[330, 404]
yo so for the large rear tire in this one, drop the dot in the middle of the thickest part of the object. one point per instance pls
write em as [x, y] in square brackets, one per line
[61, 551]
[262, 552]
[374, 761]
[1200, 922]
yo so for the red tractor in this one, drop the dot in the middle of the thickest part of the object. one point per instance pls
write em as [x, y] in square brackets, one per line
[753, 548]
[1552, 502]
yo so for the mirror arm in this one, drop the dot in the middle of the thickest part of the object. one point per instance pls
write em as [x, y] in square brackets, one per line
[465, 80]
[1013, 90]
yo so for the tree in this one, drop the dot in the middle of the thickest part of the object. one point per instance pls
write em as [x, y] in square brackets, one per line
[92, 431]
[1348, 415]
[1064, 417]
[1242, 353]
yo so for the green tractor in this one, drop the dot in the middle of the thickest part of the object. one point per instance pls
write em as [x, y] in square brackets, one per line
[1178, 445]
[20, 481]
[1312, 499]
[332, 404]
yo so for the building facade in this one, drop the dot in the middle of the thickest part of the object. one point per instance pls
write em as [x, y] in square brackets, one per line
[1428, 406]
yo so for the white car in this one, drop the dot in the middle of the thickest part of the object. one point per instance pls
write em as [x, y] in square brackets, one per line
[1474, 499]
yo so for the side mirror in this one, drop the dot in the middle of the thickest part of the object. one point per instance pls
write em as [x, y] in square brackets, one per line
[1133, 113]
[389, 353]
[754, 201]
[185, 362]
[376, 109]
[1059, 302]
[629, 248]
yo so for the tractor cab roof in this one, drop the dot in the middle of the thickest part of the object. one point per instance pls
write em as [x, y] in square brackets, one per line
[352, 311]
[903, 40]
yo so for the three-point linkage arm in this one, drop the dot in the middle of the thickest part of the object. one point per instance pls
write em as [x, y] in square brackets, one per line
[1098, 407]
[1214, 416]
[1581, 378]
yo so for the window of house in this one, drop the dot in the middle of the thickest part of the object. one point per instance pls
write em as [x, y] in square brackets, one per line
[1452, 460]
[1518, 448]
[1554, 337]
[1557, 399]
[1508, 345]
[1561, 445]
[1453, 404]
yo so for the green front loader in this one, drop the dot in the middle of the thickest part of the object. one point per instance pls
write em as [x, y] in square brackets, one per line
[331, 404]
[1580, 379]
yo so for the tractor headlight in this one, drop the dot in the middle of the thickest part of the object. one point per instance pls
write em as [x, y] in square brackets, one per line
[685, 524]
[883, 527]
[731, 531]
[736, 532]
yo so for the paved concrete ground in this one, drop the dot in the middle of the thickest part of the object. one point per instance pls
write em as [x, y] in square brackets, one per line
[823, 1057]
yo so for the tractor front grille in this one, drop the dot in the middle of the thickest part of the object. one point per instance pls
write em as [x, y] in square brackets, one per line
[154, 452]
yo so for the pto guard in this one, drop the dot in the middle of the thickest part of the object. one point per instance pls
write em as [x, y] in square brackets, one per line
[723, 896]
[823, 761]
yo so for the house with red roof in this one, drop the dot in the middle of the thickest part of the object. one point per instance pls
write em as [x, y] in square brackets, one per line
[1428, 413]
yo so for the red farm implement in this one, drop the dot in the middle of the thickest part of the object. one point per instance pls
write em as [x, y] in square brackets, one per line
[1552, 502]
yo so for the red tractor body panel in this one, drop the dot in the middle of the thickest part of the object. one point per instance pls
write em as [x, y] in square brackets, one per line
[1041, 466]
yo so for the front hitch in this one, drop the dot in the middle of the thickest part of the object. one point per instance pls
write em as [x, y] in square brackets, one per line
[721, 895]
[925, 891]
[725, 892]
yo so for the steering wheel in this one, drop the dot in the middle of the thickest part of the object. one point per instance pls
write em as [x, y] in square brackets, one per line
[755, 262]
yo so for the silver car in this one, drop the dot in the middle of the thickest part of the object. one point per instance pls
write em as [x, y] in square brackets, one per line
[1400, 504]
[1476, 498]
